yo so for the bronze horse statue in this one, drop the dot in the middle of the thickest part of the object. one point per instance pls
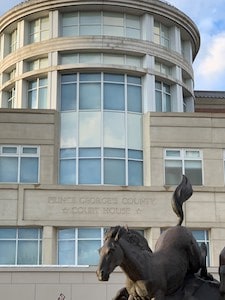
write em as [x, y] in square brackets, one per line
[166, 274]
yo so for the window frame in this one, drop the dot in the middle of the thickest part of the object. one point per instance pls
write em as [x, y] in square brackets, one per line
[183, 158]
[205, 240]
[20, 155]
[38, 31]
[37, 89]
[163, 96]
[105, 134]
[76, 240]
[17, 239]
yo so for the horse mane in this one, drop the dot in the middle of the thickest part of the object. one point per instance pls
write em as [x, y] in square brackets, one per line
[132, 236]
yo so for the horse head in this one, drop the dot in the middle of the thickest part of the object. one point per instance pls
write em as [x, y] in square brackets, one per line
[111, 254]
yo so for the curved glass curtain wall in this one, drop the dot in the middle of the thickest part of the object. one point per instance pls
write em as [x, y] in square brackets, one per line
[101, 129]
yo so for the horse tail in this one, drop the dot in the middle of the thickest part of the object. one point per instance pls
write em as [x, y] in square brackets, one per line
[182, 193]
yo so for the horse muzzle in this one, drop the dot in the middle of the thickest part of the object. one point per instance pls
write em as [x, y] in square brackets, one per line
[102, 276]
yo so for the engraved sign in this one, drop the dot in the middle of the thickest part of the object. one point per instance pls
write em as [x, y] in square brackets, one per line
[89, 205]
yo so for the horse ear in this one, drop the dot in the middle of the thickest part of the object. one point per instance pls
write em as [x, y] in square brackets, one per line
[117, 235]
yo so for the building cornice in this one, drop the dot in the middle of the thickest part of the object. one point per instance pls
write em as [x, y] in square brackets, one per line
[154, 7]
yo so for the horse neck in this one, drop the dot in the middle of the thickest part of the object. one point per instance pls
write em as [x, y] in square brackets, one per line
[133, 263]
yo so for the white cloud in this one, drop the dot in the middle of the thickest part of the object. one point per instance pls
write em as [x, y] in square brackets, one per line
[210, 64]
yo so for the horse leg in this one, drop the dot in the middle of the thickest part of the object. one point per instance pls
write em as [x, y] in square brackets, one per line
[122, 294]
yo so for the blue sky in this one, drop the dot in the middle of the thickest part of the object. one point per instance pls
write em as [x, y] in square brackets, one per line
[209, 16]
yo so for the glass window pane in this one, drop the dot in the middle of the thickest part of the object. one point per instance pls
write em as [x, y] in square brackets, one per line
[89, 152]
[67, 173]
[7, 233]
[89, 171]
[29, 150]
[29, 169]
[114, 171]
[27, 253]
[173, 153]
[90, 129]
[114, 19]
[9, 150]
[7, 252]
[134, 131]
[68, 233]
[114, 96]
[68, 96]
[28, 233]
[68, 153]
[69, 58]
[200, 235]
[158, 101]
[90, 77]
[66, 252]
[114, 130]
[135, 154]
[68, 130]
[69, 78]
[90, 96]
[173, 172]
[32, 99]
[88, 252]
[90, 57]
[135, 172]
[193, 170]
[110, 152]
[42, 101]
[8, 169]
[134, 99]
[94, 233]
[90, 18]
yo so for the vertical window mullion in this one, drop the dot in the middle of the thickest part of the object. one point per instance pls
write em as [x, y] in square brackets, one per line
[126, 129]
[16, 252]
[76, 247]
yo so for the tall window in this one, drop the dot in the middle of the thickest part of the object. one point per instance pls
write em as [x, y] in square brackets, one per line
[20, 246]
[13, 41]
[100, 23]
[79, 246]
[162, 97]
[11, 98]
[37, 93]
[19, 164]
[183, 161]
[39, 30]
[202, 236]
[161, 34]
[101, 129]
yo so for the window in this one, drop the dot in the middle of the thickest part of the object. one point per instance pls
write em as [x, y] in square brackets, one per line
[183, 161]
[20, 246]
[79, 246]
[38, 64]
[202, 236]
[100, 23]
[39, 30]
[162, 97]
[161, 34]
[13, 41]
[37, 93]
[101, 58]
[19, 164]
[11, 98]
[162, 68]
[101, 129]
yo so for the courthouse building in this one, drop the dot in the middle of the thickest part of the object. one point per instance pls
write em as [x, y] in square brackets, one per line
[98, 121]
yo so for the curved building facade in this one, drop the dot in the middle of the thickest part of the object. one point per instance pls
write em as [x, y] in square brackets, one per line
[97, 126]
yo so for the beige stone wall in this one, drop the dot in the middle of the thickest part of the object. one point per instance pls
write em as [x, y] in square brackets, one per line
[51, 206]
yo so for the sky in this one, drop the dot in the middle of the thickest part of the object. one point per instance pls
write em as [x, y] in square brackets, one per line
[209, 16]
